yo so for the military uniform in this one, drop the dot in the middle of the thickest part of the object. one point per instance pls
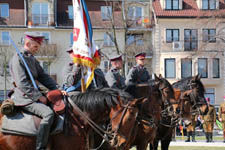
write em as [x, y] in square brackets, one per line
[137, 75]
[114, 79]
[72, 76]
[25, 95]
[208, 124]
[222, 117]
[191, 128]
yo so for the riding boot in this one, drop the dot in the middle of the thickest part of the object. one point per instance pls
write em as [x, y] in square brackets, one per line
[193, 136]
[42, 137]
[210, 137]
[188, 137]
[224, 137]
[207, 136]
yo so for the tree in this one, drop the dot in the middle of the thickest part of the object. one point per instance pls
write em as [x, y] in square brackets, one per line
[5, 56]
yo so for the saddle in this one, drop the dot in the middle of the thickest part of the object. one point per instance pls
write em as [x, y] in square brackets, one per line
[17, 121]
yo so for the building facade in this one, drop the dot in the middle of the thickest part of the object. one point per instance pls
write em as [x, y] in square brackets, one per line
[54, 19]
[188, 40]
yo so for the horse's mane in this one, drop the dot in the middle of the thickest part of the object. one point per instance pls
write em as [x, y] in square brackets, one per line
[166, 82]
[99, 100]
[183, 84]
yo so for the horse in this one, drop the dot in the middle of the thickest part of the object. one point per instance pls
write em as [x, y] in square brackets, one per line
[192, 101]
[97, 105]
[160, 102]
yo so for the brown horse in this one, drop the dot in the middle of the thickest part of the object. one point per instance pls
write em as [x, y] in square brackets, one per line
[98, 105]
[192, 101]
[160, 102]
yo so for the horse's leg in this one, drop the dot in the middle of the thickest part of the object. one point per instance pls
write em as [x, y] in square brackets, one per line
[154, 145]
[142, 146]
[166, 142]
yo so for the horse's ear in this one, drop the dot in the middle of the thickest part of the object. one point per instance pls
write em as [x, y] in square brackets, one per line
[156, 77]
[160, 76]
[197, 77]
[141, 100]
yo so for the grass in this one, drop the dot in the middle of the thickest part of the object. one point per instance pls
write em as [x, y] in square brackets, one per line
[200, 138]
[191, 148]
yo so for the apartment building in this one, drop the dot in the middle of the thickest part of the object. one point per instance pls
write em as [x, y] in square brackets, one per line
[54, 19]
[189, 39]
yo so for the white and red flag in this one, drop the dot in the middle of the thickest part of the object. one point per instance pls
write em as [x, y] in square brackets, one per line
[84, 48]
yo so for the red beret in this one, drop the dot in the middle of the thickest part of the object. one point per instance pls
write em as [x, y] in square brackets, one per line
[140, 55]
[35, 36]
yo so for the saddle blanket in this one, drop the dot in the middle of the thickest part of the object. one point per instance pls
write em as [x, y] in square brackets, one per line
[22, 123]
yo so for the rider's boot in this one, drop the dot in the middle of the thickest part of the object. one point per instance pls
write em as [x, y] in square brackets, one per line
[193, 136]
[223, 136]
[188, 137]
[207, 136]
[42, 137]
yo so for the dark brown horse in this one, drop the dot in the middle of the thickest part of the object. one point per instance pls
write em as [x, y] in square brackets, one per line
[160, 96]
[192, 101]
[98, 105]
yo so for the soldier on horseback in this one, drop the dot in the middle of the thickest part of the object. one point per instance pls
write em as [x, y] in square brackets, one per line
[113, 76]
[72, 77]
[25, 95]
[138, 74]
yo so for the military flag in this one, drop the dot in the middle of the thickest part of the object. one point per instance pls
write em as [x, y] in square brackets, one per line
[84, 48]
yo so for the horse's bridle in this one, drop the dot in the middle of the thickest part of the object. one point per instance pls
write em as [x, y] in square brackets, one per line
[116, 132]
[167, 108]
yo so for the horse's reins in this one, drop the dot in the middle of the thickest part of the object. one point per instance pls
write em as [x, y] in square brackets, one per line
[107, 135]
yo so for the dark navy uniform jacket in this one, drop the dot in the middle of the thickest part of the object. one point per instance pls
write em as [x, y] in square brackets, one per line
[25, 93]
[137, 75]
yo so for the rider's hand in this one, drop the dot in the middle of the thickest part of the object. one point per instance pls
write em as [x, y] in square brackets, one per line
[43, 100]
[64, 93]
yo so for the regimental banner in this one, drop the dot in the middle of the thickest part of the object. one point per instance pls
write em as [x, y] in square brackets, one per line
[84, 48]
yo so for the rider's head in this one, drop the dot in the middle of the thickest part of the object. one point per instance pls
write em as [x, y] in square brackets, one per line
[117, 61]
[140, 58]
[33, 41]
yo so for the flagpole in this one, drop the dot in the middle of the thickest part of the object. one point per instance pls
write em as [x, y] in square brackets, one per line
[83, 86]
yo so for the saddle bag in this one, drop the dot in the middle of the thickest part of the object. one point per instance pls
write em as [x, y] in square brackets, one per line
[7, 107]
[56, 98]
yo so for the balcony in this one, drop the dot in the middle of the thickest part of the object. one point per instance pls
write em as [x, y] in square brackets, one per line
[139, 23]
[42, 20]
[47, 52]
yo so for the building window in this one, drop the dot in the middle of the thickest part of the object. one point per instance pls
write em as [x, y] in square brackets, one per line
[108, 40]
[5, 38]
[3, 96]
[106, 12]
[190, 39]
[70, 11]
[216, 68]
[134, 12]
[46, 37]
[40, 13]
[170, 68]
[209, 35]
[208, 4]
[71, 39]
[135, 39]
[210, 93]
[203, 67]
[172, 35]
[186, 67]
[4, 10]
[172, 4]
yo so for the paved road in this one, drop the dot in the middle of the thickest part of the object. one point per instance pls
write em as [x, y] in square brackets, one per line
[199, 143]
